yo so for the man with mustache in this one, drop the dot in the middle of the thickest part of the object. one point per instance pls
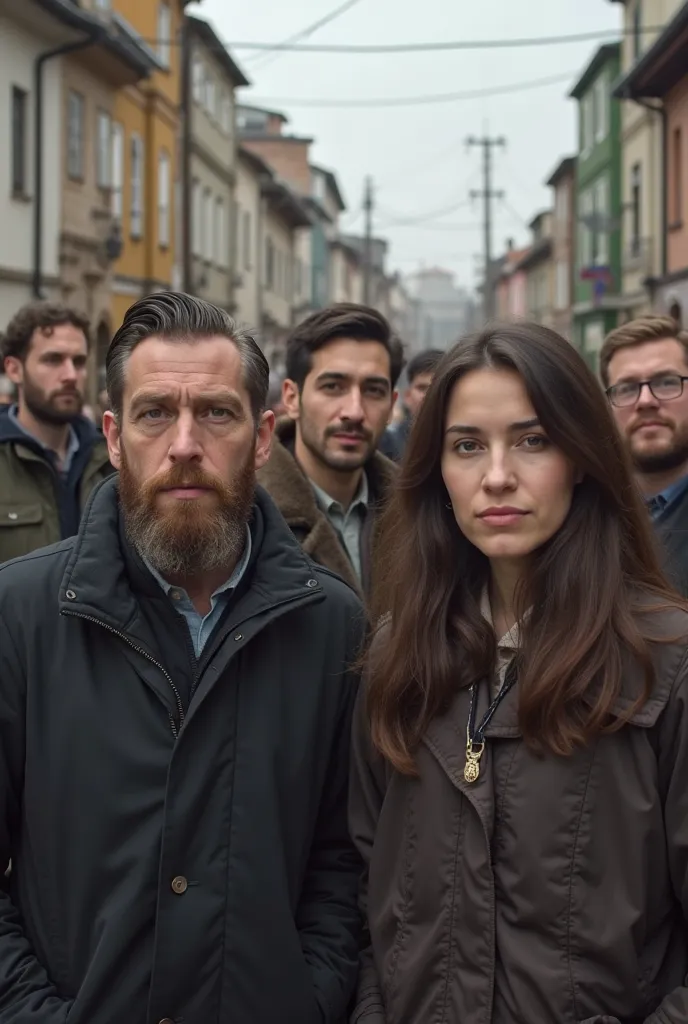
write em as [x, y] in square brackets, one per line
[176, 693]
[51, 456]
[325, 474]
[644, 368]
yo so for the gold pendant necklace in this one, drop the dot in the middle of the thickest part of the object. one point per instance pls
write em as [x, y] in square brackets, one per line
[471, 770]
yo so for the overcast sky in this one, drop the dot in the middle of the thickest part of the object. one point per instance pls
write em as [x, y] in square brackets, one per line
[416, 154]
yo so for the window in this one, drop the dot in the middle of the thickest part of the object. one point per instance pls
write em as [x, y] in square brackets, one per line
[636, 212]
[208, 225]
[117, 174]
[677, 170]
[75, 136]
[164, 196]
[209, 93]
[637, 29]
[136, 172]
[562, 285]
[226, 113]
[164, 34]
[198, 73]
[269, 264]
[585, 234]
[220, 233]
[246, 232]
[196, 218]
[601, 101]
[104, 150]
[602, 222]
[19, 141]
[562, 204]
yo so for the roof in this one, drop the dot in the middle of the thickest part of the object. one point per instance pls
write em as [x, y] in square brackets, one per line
[538, 217]
[247, 134]
[564, 169]
[286, 203]
[263, 110]
[605, 53]
[255, 162]
[348, 250]
[539, 252]
[332, 184]
[662, 65]
[204, 31]
[121, 44]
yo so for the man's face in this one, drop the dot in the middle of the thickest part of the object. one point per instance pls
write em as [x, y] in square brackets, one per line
[656, 431]
[52, 378]
[187, 448]
[345, 402]
[416, 392]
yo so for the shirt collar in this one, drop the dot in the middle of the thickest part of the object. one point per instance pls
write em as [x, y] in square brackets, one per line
[327, 503]
[72, 446]
[669, 493]
[512, 638]
[231, 584]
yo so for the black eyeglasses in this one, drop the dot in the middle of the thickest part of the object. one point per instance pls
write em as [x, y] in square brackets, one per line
[665, 388]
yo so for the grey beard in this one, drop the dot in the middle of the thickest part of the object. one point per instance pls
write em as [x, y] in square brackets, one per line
[186, 552]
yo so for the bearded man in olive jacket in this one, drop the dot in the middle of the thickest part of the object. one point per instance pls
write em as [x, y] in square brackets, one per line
[176, 696]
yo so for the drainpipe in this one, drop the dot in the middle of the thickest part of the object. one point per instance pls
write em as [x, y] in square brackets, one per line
[187, 107]
[39, 64]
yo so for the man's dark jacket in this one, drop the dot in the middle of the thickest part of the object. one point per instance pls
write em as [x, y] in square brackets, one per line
[168, 863]
[291, 490]
[672, 531]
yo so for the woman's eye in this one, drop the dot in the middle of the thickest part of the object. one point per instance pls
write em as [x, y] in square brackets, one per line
[466, 447]
[534, 442]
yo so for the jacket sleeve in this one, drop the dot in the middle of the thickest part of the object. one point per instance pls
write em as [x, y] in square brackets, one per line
[672, 755]
[328, 918]
[366, 794]
[26, 994]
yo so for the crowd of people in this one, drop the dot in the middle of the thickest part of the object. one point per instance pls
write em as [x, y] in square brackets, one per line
[333, 715]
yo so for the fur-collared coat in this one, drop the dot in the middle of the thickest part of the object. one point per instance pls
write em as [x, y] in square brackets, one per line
[293, 494]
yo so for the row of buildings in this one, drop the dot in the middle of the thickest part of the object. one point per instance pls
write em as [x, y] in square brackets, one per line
[613, 243]
[130, 166]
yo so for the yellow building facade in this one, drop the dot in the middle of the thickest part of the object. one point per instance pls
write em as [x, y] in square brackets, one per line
[146, 132]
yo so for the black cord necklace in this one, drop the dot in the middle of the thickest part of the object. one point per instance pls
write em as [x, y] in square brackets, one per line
[475, 737]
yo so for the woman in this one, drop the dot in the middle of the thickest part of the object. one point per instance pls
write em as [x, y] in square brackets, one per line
[520, 772]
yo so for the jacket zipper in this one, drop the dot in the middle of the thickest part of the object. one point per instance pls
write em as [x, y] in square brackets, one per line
[149, 657]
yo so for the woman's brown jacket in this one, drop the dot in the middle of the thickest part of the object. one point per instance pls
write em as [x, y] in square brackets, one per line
[550, 891]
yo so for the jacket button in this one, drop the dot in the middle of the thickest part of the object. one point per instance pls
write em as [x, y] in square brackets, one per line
[179, 884]
[12, 516]
[312, 584]
[70, 595]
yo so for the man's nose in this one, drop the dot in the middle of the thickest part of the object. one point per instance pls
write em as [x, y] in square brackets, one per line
[646, 400]
[352, 407]
[185, 444]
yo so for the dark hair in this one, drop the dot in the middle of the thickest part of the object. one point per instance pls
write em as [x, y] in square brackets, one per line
[343, 320]
[39, 316]
[424, 362]
[178, 317]
[639, 332]
[584, 586]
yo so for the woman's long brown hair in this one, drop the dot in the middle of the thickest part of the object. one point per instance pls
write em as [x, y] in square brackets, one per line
[585, 585]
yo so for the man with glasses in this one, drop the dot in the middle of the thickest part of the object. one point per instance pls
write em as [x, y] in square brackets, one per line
[644, 368]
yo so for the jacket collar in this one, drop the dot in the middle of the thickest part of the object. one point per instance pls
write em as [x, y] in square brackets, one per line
[96, 583]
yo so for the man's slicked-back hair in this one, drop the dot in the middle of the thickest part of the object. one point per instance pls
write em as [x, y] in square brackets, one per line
[175, 316]
[343, 320]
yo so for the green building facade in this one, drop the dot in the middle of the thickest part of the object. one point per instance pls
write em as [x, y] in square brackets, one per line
[597, 247]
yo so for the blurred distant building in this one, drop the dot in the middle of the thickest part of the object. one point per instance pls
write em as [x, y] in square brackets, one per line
[441, 309]
[563, 183]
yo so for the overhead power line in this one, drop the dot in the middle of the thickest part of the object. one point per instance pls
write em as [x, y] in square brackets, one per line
[409, 101]
[304, 33]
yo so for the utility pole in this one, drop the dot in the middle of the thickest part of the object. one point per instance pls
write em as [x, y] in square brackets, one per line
[368, 206]
[487, 194]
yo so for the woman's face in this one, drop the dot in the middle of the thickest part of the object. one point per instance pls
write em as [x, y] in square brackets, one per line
[510, 488]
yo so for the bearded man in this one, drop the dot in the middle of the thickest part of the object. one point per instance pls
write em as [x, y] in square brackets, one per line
[176, 691]
[51, 456]
[644, 368]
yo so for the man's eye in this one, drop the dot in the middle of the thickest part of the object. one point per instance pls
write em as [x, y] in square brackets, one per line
[152, 414]
[219, 414]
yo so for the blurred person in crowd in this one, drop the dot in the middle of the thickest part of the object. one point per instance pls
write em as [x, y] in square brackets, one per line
[51, 455]
[7, 392]
[325, 473]
[644, 367]
[176, 692]
[521, 747]
[419, 373]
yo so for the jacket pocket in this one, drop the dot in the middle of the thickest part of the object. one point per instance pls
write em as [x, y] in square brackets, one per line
[13, 515]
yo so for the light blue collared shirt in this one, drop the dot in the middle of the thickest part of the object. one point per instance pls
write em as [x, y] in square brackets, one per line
[202, 626]
[72, 447]
[348, 523]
